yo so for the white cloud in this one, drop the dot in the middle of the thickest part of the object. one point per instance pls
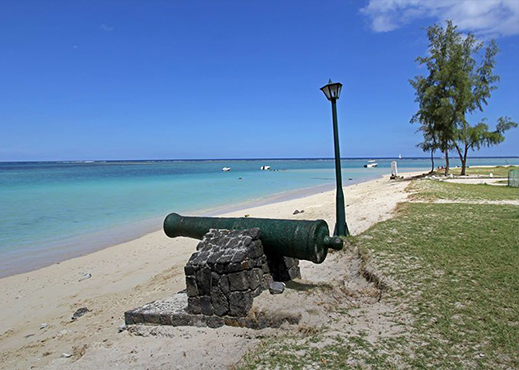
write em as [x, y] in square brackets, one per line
[106, 28]
[483, 17]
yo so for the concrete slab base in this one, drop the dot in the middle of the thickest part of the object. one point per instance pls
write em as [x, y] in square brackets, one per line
[171, 311]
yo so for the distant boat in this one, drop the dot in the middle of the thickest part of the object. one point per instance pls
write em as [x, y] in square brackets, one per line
[371, 161]
[400, 156]
[265, 168]
[226, 169]
[370, 165]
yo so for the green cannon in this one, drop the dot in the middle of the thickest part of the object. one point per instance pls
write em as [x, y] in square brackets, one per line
[306, 240]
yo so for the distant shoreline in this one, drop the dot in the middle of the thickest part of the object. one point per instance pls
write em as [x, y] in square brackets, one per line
[47, 251]
[87, 161]
[116, 235]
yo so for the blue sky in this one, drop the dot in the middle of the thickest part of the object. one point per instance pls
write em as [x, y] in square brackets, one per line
[228, 79]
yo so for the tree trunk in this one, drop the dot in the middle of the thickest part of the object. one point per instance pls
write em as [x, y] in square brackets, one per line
[446, 162]
[464, 162]
[463, 159]
[463, 167]
[432, 161]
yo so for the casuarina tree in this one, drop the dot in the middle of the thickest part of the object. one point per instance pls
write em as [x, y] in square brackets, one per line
[474, 137]
[429, 143]
[439, 94]
[459, 82]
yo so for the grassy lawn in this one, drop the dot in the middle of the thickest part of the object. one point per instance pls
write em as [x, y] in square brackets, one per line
[497, 171]
[462, 285]
[454, 273]
[431, 190]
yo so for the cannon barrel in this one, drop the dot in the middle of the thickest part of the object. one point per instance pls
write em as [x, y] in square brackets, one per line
[306, 240]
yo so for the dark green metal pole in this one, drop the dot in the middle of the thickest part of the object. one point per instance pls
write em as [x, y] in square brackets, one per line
[341, 229]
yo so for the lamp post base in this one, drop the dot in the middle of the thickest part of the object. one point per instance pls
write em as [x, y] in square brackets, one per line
[341, 231]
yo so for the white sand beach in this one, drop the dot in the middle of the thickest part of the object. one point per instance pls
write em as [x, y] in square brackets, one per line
[36, 330]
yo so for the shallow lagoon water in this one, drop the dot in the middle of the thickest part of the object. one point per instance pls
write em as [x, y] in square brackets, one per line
[50, 211]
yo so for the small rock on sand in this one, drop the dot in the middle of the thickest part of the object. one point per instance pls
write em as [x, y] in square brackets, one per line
[80, 312]
[276, 287]
[85, 277]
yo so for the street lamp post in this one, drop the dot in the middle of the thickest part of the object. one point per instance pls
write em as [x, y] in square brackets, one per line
[332, 91]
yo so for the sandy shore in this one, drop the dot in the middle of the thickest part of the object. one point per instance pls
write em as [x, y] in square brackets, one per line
[128, 275]
[78, 246]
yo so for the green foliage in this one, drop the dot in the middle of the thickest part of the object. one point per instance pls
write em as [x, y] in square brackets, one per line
[479, 135]
[445, 89]
[475, 137]
[429, 143]
[494, 137]
[456, 86]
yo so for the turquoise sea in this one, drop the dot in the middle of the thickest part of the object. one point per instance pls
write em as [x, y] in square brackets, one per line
[51, 211]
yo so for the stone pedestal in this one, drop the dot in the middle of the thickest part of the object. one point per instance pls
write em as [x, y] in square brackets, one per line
[225, 273]
[283, 268]
[229, 269]
[172, 312]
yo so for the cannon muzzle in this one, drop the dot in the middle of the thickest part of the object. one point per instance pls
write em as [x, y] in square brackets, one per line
[306, 240]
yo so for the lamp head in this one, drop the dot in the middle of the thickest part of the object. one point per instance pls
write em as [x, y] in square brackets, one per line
[332, 90]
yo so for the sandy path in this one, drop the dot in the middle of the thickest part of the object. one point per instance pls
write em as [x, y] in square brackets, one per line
[482, 180]
[469, 201]
[149, 268]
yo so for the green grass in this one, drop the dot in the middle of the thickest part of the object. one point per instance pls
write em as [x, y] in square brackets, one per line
[463, 284]
[497, 171]
[303, 352]
[454, 273]
[432, 190]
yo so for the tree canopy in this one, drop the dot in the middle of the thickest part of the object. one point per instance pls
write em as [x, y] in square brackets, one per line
[460, 81]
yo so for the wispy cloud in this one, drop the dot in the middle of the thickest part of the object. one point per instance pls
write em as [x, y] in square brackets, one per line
[106, 28]
[484, 17]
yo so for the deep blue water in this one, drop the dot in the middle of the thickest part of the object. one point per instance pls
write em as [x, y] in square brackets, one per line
[53, 210]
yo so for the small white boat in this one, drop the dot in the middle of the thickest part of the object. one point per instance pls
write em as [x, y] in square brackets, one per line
[226, 169]
[265, 168]
[400, 156]
[370, 165]
[371, 161]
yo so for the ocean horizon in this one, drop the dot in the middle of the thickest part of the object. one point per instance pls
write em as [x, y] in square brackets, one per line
[90, 160]
[56, 210]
